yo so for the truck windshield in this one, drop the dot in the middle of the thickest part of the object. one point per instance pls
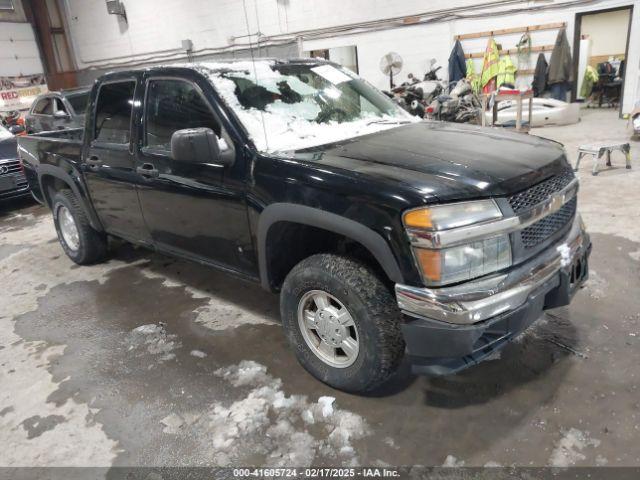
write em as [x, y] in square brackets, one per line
[299, 105]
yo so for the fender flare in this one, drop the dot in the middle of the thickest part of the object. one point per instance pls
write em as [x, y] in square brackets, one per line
[286, 212]
[57, 172]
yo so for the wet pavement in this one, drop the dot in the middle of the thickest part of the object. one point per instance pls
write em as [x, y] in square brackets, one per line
[147, 360]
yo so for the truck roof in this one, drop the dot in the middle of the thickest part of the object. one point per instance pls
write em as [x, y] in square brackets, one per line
[215, 63]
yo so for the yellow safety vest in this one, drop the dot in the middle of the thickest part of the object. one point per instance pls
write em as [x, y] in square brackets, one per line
[490, 62]
[506, 71]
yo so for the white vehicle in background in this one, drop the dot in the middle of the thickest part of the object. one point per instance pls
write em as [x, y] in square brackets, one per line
[544, 111]
[634, 118]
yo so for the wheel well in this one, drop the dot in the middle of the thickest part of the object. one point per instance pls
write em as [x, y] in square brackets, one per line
[51, 185]
[288, 243]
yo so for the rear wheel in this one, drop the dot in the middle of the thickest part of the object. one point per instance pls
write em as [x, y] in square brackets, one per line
[342, 322]
[79, 240]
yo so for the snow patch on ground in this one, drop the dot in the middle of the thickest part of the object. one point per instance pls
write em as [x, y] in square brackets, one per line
[155, 340]
[568, 450]
[452, 461]
[596, 285]
[635, 255]
[284, 429]
[27, 275]
[198, 354]
[215, 314]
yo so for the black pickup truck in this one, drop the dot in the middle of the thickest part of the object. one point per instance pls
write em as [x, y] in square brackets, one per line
[386, 237]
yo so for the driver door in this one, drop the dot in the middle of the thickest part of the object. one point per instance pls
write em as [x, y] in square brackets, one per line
[192, 209]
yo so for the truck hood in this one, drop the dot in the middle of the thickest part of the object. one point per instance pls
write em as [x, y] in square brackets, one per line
[446, 160]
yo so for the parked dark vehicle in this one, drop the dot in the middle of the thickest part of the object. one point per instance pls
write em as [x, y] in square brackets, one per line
[384, 235]
[58, 111]
[13, 183]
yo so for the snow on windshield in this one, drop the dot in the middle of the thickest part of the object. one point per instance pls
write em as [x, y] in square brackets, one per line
[294, 106]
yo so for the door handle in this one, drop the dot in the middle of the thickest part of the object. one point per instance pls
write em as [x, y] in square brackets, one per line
[148, 170]
[93, 161]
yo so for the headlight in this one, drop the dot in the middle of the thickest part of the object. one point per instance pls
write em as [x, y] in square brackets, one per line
[441, 266]
[464, 262]
[444, 217]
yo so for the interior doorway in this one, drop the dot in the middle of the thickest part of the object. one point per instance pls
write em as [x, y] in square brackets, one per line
[601, 42]
[345, 56]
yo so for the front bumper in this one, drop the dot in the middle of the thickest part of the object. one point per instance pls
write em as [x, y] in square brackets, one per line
[451, 328]
[21, 190]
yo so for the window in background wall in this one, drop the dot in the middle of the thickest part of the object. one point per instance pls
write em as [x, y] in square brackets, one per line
[345, 56]
[7, 5]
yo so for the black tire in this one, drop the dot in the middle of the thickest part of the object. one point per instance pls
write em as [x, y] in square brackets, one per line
[372, 307]
[92, 246]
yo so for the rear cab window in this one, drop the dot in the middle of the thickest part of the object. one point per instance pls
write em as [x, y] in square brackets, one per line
[113, 112]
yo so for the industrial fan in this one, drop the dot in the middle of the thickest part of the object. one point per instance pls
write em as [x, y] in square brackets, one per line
[391, 64]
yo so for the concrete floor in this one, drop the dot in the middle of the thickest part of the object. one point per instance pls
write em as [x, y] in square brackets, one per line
[209, 380]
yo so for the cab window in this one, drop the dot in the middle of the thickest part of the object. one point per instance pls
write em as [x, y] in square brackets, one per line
[59, 106]
[43, 107]
[113, 112]
[174, 105]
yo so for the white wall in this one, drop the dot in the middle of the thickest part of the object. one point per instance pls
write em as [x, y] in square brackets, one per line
[418, 44]
[608, 32]
[156, 27]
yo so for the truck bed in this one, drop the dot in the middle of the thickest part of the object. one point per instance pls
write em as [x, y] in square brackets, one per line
[61, 149]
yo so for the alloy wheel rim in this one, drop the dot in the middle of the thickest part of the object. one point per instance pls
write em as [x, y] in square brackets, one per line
[68, 228]
[328, 329]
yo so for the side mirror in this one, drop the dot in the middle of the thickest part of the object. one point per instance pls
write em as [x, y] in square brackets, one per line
[60, 114]
[200, 145]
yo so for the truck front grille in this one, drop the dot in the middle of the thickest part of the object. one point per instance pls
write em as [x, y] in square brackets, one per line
[537, 233]
[543, 229]
[10, 168]
[530, 197]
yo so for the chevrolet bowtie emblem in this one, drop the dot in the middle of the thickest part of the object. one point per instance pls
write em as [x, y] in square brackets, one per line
[556, 202]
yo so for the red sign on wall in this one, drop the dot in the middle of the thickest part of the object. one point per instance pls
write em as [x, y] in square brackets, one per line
[18, 93]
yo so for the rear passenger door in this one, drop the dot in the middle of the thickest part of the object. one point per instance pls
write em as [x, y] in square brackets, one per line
[192, 209]
[109, 162]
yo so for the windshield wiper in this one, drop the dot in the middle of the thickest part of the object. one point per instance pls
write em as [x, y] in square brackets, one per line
[389, 122]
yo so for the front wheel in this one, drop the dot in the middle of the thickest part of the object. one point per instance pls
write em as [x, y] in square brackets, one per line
[342, 322]
[79, 240]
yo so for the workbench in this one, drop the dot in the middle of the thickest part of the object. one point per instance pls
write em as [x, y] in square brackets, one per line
[514, 95]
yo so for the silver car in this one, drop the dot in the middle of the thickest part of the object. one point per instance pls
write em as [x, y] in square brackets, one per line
[57, 111]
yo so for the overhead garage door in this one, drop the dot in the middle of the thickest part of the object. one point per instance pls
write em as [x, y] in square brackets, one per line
[18, 50]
